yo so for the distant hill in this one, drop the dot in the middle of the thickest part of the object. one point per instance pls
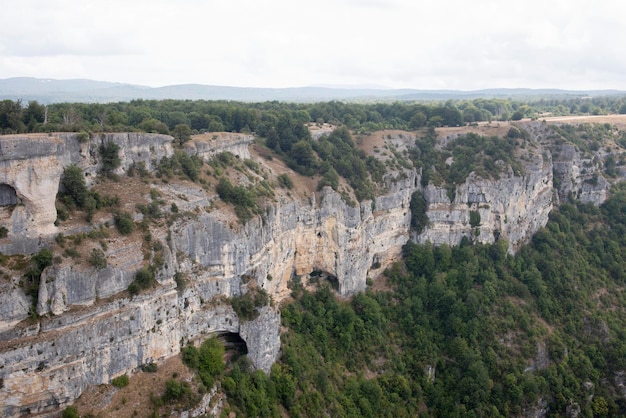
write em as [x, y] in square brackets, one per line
[90, 91]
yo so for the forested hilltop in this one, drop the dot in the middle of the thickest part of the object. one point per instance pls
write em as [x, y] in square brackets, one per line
[183, 117]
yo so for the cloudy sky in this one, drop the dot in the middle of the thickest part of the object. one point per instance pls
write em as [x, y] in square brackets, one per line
[437, 44]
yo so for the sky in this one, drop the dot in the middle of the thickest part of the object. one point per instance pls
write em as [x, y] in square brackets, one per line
[437, 44]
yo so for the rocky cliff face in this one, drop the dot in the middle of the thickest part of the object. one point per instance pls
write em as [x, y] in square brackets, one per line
[83, 339]
[578, 176]
[31, 168]
[209, 145]
[90, 330]
[510, 207]
[296, 238]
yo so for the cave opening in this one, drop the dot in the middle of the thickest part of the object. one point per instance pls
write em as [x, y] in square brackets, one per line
[234, 345]
[317, 276]
[8, 195]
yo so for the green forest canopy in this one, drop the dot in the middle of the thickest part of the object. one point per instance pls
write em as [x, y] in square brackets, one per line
[184, 117]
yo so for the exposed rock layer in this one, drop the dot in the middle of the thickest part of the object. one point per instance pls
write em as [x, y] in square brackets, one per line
[84, 339]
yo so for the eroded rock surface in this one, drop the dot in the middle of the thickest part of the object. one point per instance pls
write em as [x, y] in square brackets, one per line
[90, 330]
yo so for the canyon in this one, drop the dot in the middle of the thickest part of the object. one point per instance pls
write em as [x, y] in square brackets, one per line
[86, 328]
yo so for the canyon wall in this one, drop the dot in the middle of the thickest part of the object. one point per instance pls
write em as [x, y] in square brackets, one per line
[511, 207]
[86, 329]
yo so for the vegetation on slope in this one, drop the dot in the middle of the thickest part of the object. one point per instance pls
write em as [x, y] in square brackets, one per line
[450, 165]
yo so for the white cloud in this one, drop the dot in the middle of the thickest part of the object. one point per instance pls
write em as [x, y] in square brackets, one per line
[278, 43]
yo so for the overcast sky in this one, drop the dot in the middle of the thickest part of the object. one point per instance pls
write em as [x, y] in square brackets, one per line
[437, 44]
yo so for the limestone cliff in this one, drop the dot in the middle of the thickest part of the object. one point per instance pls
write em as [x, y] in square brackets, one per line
[577, 174]
[91, 332]
[510, 207]
[31, 168]
[209, 145]
[89, 328]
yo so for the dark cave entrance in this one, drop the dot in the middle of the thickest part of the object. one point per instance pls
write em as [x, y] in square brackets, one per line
[318, 276]
[234, 345]
[8, 195]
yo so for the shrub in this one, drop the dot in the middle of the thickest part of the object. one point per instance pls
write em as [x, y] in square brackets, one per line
[71, 252]
[98, 259]
[191, 356]
[144, 279]
[70, 412]
[243, 200]
[62, 214]
[32, 277]
[82, 137]
[177, 391]
[419, 208]
[514, 132]
[133, 288]
[245, 306]
[190, 166]
[151, 211]
[150, 367]
[4, 232]
[120, 381]
[180, 281]
[124, 223]
[285, 181]
[39, 262]
[474, 218]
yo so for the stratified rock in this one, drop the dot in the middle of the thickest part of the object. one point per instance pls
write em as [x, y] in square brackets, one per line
[91, 330]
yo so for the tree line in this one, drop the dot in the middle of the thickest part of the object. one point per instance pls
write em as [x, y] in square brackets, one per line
[176, 116]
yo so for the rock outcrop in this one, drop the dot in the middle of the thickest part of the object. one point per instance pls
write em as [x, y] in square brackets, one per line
[512, 207]
[579, 177]
[31, 167]
[209, 145]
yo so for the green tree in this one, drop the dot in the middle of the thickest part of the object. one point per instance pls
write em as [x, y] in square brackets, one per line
[73, 185]
[11, 117]
[302, 155]
[419, 208]
[211, 360]
[517, 115]
[33, 115]
[182, 133]
[154, 125]
[109, 152]
[177, 391]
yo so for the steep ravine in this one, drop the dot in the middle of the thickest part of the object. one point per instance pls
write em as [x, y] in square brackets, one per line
[91, 330]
